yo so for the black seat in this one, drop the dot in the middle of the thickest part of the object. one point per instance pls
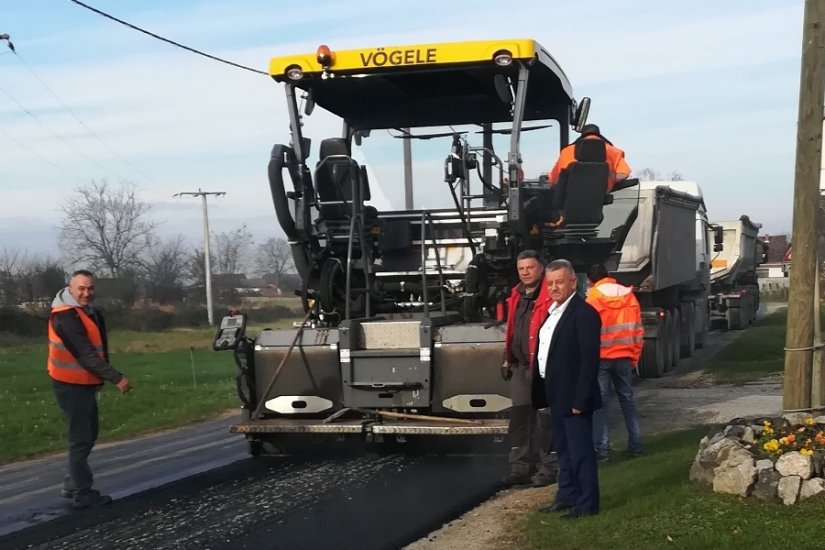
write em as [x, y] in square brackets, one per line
[582, 186]
[336, 176]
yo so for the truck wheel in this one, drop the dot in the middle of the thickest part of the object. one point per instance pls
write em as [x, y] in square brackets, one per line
[653, 360]
[735, 317]
[702, 334]
[675, 337]
[689, 333]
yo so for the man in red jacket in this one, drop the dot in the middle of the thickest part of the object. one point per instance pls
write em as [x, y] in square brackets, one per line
[529, 430]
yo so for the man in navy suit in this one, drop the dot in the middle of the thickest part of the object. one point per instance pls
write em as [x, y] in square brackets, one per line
[565, 379]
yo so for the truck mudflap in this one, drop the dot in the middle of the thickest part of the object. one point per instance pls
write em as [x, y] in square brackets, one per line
[494, 426]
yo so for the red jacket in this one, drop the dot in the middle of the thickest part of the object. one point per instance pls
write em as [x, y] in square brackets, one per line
[537, 318]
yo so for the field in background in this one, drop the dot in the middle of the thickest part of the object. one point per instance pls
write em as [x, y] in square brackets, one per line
[159, 364]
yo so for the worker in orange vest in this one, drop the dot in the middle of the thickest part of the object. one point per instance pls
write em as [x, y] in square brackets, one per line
[622, 338]
[619, 168]
[78, 363]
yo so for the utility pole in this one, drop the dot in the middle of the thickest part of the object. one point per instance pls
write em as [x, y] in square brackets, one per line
[206, 260]
[797, 387]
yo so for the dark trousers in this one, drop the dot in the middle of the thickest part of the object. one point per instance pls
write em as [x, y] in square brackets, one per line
[529, 431]
[79, 405]
[578, 476]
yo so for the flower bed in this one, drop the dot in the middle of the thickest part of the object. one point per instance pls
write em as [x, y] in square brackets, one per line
[773, 459]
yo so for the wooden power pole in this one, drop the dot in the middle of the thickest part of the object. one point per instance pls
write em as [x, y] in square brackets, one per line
[800, 336]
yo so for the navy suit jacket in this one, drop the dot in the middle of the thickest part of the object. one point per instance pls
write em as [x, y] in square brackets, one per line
[571, 378]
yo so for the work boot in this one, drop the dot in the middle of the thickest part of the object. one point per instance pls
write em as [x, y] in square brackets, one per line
[543, 480]
[515, 479]
[90, 497]
[67, 493]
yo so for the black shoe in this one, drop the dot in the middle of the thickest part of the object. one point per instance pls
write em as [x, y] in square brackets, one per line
[517, 480]
[576, 514]
[543, 480]
[68, 493]
[89, 498]
[632, 454]
[555, 507]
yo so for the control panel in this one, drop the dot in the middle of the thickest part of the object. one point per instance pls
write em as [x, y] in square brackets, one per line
[230, 332]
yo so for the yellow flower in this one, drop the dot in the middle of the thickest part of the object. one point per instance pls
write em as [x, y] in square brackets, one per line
[806, 452]
[809, 421]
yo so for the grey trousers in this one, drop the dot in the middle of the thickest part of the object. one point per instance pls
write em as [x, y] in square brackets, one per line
[79, 405]
[529, 431]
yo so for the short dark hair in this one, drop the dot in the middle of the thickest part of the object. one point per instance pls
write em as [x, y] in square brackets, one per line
[561, 263]
[84, 273]
[597, 272]
[528, 255]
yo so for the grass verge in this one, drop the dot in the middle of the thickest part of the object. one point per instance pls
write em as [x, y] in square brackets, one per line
[158, 364]
[648, 502]
[757, 353]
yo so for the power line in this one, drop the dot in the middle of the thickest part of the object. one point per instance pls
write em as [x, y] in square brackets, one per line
[80, 121]
[41, 157]
[179, 45]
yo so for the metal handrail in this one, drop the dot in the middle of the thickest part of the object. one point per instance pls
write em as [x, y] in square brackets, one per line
[427, 220]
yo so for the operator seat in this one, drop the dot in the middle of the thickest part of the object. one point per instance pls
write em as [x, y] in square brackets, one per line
[582, 187]
[336, 176]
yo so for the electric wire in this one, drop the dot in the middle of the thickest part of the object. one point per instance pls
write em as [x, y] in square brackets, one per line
[88, 129]
[168, 41]
[41, 157]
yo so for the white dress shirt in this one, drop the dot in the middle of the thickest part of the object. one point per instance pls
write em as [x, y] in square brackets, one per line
[554, 313]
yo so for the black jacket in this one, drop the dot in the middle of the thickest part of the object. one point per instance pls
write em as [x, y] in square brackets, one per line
[69, 327]
[571, 376]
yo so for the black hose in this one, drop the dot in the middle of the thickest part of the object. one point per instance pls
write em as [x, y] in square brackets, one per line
[277, 161]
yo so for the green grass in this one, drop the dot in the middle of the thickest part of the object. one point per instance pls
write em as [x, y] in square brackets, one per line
[757, 353]
[648, 499]
[159, 366]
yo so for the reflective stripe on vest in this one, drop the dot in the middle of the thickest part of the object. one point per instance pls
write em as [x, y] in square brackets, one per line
[622, 333]
[61, 364]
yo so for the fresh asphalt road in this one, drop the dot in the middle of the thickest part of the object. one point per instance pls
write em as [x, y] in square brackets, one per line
[195, 487]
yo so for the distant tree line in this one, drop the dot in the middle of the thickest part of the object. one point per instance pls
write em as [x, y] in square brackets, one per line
[110, 231]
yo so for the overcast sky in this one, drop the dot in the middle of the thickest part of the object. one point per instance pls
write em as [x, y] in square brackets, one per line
[704, 87]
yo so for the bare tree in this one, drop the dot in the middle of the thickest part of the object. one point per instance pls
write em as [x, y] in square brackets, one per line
[274, 259]
[646, 174]
[105, 228]
[231, 250]
[164, 269]
[676, 175]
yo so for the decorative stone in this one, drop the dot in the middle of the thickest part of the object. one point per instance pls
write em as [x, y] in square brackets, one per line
[788, 489]
[819, 420]
[757, 430]
[709, 458]
[812, 488]
[795, 464]
[736, 473]
[736, 431]
[764, 464]
[795, 418]
[748, 436]
[818, 460]
[767, 484]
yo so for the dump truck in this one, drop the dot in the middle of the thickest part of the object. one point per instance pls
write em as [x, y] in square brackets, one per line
[734, 296]
[403, 331]
[666, 259]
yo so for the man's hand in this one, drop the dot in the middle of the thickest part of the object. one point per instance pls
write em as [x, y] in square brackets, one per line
[506, 371]
[576, 411]
[124, 385]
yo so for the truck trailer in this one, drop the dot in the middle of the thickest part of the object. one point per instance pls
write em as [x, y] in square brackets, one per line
[734, 297]
[403, 331]
[666, 259]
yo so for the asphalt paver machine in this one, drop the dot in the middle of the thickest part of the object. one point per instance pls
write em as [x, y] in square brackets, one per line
[403, 334]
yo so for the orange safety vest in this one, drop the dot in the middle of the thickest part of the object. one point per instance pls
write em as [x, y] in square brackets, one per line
[615, 162]
[622, 331]
[61, 364]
